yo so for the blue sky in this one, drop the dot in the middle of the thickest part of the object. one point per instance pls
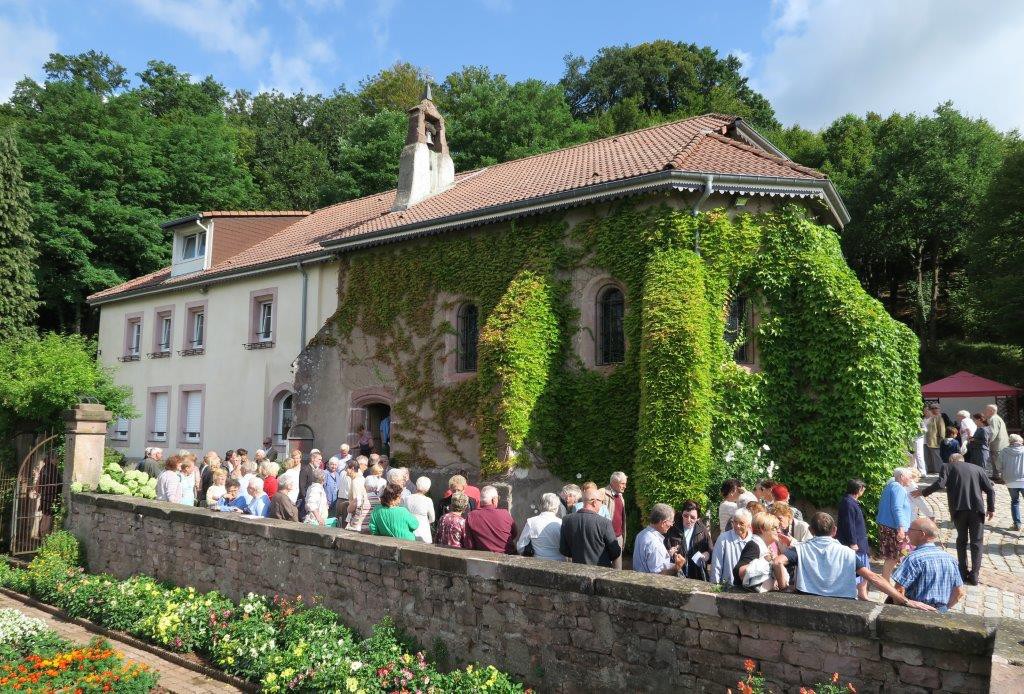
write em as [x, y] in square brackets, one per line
[815, 59]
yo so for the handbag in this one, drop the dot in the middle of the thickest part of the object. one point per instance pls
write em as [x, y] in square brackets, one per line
[528, 550]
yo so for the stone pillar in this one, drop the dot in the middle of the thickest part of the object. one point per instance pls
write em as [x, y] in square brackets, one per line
[85, 438]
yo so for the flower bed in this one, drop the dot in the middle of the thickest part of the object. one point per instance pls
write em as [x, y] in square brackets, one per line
[284, 645]
[34, 658]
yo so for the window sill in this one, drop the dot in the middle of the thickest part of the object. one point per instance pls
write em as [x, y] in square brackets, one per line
[269, 344]
[129, 357]
[192, 352]
[159, 355]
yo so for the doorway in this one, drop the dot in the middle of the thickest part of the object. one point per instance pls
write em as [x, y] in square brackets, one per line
[379, 414]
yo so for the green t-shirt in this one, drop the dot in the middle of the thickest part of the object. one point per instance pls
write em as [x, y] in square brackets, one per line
[393, 521]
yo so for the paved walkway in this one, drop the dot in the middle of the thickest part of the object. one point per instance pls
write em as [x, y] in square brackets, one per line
[173, 678]
[1001, 589]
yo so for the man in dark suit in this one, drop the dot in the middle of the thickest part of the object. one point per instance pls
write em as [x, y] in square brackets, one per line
[964, 485]
[588, 537]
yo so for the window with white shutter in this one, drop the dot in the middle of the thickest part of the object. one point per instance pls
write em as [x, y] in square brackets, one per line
[193, 415]
[119, 432]
[160, 414]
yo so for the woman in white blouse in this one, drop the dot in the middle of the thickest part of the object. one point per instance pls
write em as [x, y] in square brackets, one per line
[543, 531]
[421, 506]
[317, 510]
[291, 472]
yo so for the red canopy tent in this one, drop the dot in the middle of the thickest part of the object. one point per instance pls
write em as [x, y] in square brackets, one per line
[964, 384]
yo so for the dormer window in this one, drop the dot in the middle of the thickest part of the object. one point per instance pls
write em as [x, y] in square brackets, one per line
[193, 246]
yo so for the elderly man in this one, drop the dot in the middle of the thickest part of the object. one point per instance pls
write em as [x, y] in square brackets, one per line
[615, 503]
[826, 567]
[152, 464]
[964, 485]
[343, 456]
[649, 553]
[281, 506]
[933, 437]
[1000, 437]
[490, 528]
[1010, 467]
[568, 497]
[268, 446]
[587, 536]
[929, 574]
[966, 426]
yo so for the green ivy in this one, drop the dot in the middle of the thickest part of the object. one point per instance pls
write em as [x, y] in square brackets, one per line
[837, 395]
[517, 346]
[676, 364]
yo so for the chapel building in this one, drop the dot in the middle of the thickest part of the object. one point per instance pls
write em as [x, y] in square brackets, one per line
[266, 320]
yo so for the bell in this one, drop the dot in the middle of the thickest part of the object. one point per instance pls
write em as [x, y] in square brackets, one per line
[430, 136]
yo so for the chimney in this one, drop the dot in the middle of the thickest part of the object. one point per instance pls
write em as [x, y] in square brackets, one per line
[425, 167]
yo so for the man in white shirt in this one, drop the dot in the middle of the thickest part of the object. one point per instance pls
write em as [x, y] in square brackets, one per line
[649, 553]
[966, 426]
[343, 456]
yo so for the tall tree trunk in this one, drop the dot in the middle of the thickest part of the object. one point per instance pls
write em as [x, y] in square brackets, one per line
[894, 291]
[78, 318]
[933, 311]
[919, 311]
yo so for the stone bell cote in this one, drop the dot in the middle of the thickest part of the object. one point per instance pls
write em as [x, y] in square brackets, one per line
[425, 167]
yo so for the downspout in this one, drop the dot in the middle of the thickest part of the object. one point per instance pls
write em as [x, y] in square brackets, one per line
[305, 295]
[708, 188]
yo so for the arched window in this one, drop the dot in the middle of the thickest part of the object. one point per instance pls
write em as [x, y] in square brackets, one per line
[283, 415]
[611, 339]
[468, 331]
[737, 330]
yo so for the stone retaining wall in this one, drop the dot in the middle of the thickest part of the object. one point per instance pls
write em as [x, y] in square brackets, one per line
[560, 627]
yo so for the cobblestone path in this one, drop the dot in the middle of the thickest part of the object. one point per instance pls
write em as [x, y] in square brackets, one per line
[173, 678]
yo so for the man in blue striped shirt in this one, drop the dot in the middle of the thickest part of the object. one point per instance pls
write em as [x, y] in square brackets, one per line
[929, 574]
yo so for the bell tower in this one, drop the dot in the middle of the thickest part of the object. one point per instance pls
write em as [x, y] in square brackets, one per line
[425, 167]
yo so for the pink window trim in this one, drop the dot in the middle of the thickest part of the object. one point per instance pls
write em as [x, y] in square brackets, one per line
[159, 313]
[183, 391]
[129, 319]
[191, 309]
[270, 412]
[119, 443]
[256, 297]
[150, 398]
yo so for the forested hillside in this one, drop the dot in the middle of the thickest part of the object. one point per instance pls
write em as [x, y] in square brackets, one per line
[92, 159]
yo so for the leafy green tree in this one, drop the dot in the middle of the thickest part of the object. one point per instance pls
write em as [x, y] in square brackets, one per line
[370, 152]
[164, 90]
[663, 77]
[491, 120]
[17, 245]
[40, 376]
[397, 88]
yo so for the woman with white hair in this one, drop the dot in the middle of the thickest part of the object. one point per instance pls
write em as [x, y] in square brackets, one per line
[1010, 466]
[317, 511]
[729, 546]
[291, 473]
[541, 534]
[421, 506]
[895, 513]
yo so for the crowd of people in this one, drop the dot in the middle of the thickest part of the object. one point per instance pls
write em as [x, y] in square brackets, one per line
[760, 543]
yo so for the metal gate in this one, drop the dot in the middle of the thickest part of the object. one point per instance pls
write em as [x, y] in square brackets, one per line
[37, 496]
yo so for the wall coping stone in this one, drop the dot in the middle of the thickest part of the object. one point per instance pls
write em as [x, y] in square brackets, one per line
[959, 633]
[967, 634]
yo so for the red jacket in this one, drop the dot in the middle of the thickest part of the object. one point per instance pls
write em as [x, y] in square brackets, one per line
[490, 529]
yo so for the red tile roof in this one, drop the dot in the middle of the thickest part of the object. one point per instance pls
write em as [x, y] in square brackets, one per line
[699, 144]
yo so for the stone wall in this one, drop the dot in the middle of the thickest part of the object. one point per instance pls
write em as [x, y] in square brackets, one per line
[560, 627]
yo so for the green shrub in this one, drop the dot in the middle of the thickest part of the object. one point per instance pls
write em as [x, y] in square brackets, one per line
[62, 545]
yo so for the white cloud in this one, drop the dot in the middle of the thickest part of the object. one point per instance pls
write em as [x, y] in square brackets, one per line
[830, 57]
[221, 26]
[744, 57]
[25, 45]
[380, 22]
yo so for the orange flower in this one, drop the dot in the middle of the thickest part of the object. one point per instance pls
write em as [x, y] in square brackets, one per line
[835, 678]
[749, 665]
[849, 685]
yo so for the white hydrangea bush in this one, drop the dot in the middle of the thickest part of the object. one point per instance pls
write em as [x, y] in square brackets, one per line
[16, 628]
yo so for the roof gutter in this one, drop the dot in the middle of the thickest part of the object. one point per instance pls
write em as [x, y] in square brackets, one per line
[220, 277]
[181, 220]
[659, 180]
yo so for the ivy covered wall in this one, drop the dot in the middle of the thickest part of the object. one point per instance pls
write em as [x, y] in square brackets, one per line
[837, 395]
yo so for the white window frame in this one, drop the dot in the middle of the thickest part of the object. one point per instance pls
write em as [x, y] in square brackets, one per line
[198, 249]
[135, 338]
[265, 327]
[198, 330]
[166, 333]
[156, 434]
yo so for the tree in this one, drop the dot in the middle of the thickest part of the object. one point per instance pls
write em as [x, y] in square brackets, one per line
[397, 88]
[17, 245]
[489, 120]
[665, 78]
[42, 376]
[95, 71]
[369, 154]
